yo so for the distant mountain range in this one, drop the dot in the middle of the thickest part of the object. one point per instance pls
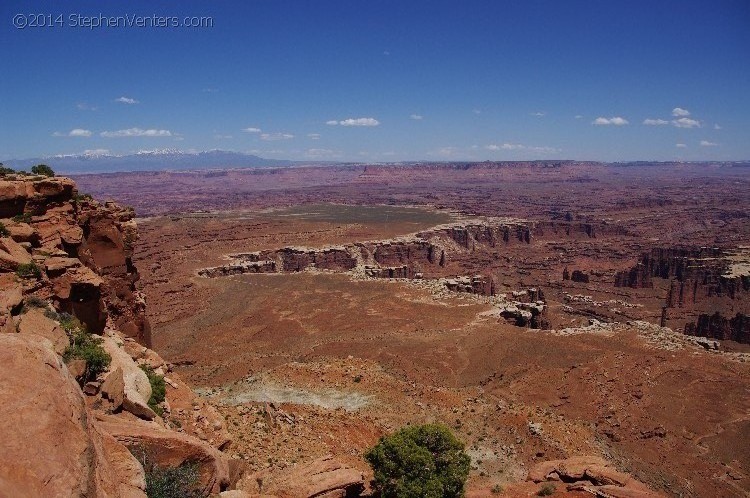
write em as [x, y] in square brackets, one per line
[151, 160]
[100, 161]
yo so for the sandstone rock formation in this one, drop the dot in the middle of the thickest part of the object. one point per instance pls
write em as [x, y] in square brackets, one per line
[592, 475]
[12, 254]
[169, 449]
[707, 289]
[83, 247]
[34, 322]
[60, 439]
[49, 445]
[325, 477]
[136, 389]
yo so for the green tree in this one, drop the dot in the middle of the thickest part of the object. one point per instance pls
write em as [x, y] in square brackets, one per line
[42, 169]
[425, 461]
[6, 171]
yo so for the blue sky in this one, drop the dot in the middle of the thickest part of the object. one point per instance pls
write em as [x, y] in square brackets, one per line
[383, 80]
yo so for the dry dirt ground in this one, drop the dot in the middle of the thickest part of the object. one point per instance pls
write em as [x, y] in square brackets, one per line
[313, 363]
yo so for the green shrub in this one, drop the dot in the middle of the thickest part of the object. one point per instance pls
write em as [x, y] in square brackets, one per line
[170, 482]
[424, 461]
[26, 270]
[83, 197]
[496, 489]
[70, 323]
[4, 170]
[158, 389]
[35, 302]
[42, 169]
[3, 230]
[547, 489]
[22, 218]
[88, 347]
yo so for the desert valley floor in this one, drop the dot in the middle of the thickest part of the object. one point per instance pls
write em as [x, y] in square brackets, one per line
[539, 310]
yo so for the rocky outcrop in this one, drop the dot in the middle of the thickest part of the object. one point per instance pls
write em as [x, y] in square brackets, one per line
[469, 235]
[239, 269]
[109, 235]
[388, 271]
[49, 445]
[82, 248]
[61, 438]
[325, 477]
[592, 475]
[33, 195]
[133, 382]
[705, 293]
[579, 276]
[12, 254]
[478, 284]
[406, 253]
[167, 448]
[35, 322]
[717, 326]
[672, 263]
[389, 259]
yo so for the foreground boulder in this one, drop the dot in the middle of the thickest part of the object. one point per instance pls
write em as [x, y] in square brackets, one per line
[35, 322]
[48, 447]
[12, 255]
[167, 448]
[591, 474]
[129, 386]
[325, 477]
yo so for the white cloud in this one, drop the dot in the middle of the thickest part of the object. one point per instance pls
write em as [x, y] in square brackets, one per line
[96, 152]
[679, 111]
[75, 132]
[270, 137]
[681, 146]
[355, 122]
[322, 153]
[222, 137]
[210, 90]
[717, 126]
[251, 130]
[616, 121]
[476, 111]
[79, 132]
[686, 123]
[504, 147]
[271, 151]
[529, 148]
[538, 114]
[706, 143]
[136, 132]
[578, 116]
[416, 117]
[83, 106]
[655, 122]
[126, 100]
[313, 136]
[447, 151]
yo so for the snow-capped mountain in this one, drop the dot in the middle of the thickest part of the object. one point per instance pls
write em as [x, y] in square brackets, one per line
[101, 160]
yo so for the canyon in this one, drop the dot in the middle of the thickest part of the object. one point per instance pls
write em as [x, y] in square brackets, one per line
[574, 323]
